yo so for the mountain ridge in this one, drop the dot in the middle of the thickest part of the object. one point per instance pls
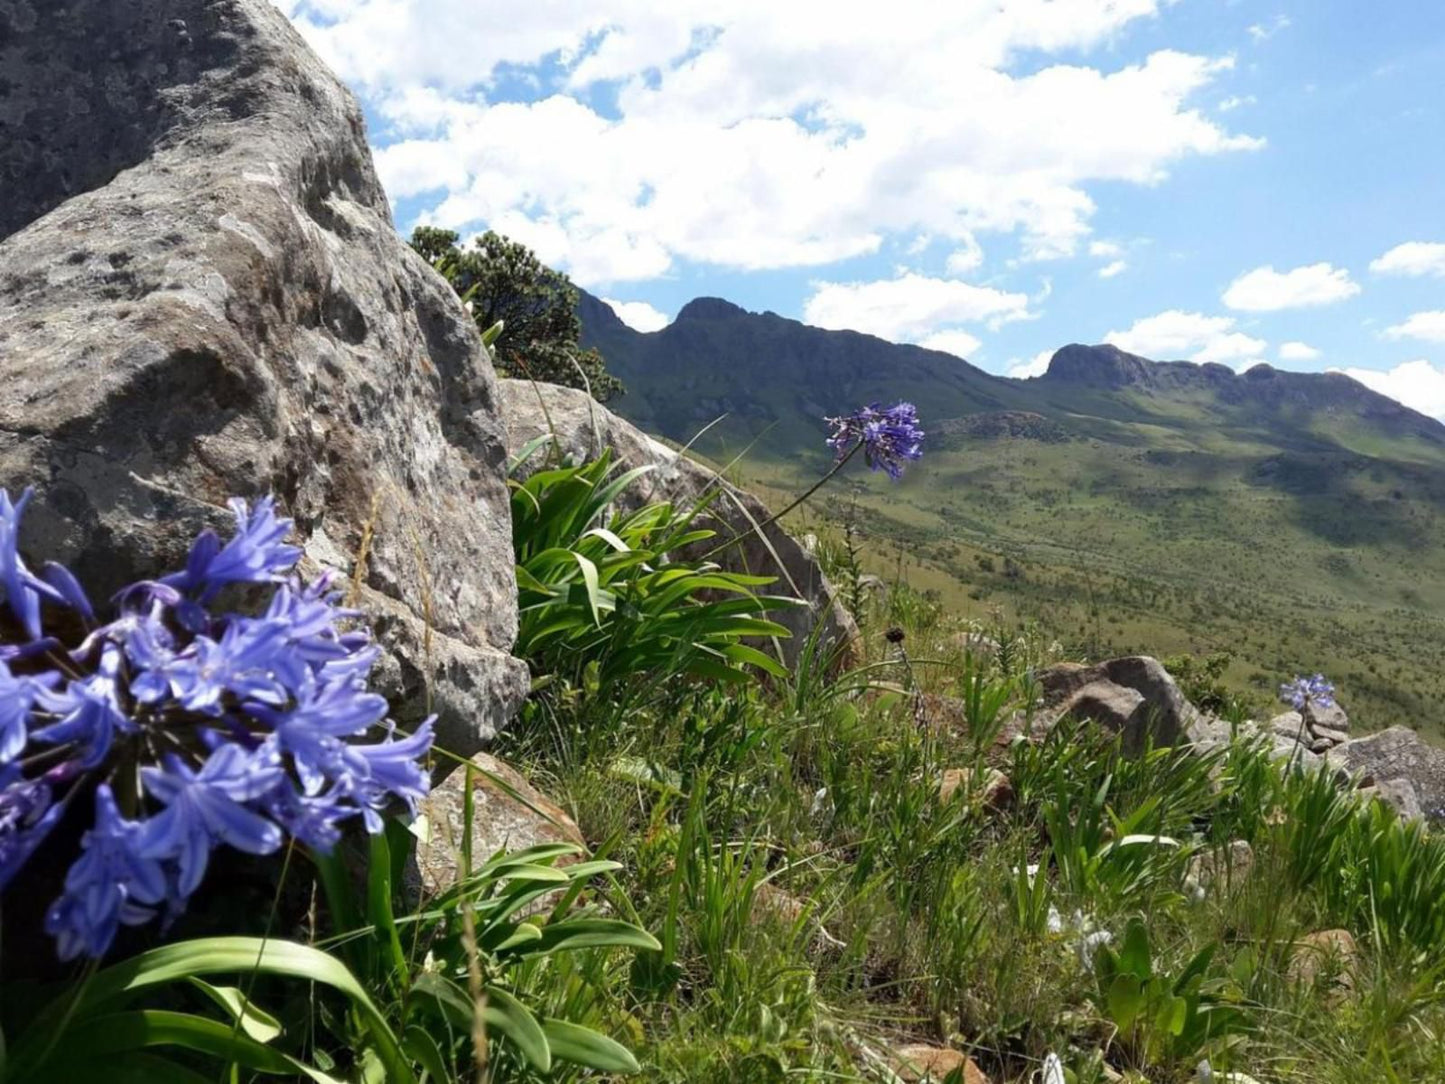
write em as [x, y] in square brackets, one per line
[1290, 519]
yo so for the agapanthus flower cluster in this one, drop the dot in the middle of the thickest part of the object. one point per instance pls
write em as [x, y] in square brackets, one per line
[186, 725]
[888, 436]
[1313, 690]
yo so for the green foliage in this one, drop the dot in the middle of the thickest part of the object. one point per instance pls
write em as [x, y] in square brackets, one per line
[509, 942]
[96, 1030]
[536, 308]
[1165, 1018]
[613, 609]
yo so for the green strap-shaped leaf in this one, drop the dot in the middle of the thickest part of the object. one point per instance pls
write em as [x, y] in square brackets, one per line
[588, 1048]
[514, 1020]
[209, 956]
[578, 933]
[254, 1020]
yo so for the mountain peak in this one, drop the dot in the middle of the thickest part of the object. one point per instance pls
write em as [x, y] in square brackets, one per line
[710, 308]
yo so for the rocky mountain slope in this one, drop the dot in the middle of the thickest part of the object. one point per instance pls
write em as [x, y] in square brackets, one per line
[1126, 504]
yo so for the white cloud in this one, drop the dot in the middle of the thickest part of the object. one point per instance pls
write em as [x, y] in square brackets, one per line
[1109, 250]
[639, 315]
[1412, 258]
[1429, 326]
[1260, 32]
[1037, 365]
[1116, 267]
[1266, 290]
[1235, 101]
[913, 308]
[764, 135]
[1173, 335]
[1297, 351]
[957, 342]
[967, 257]
[1417, 384]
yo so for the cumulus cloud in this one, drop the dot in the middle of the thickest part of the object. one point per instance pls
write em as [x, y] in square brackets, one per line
[1020, 368]
[1192, 336]
[758, 134]
[1417, 384]
[639, 315]
[1297, 351]
[1412, 258]
[1114, 267]
[1266, 290]
[1427, 326]
[957, 342]
[913, 308]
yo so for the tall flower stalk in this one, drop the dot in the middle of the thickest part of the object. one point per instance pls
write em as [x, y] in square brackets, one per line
[188, 726]
[887, 438]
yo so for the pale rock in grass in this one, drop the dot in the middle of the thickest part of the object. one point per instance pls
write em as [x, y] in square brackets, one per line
[918, 1063]
[1227, 867]
[508, 812]
[991, 790]
[202, 296]
[1330, 955]
[771, 903]
[1400, 795]
[582, 429]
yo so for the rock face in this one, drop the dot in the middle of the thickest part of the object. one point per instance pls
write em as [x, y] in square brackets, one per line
[1396, 754]
[507, 812]
[202, 295]
[1134, 696]
[583, 429]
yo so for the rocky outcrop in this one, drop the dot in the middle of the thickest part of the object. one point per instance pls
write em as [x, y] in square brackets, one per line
[1391, 755]
[1132, 696]
[202, 295]
[582, 429]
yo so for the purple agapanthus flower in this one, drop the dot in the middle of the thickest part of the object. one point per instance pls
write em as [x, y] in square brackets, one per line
[888, 437]
[243, 727]
[1303, 691]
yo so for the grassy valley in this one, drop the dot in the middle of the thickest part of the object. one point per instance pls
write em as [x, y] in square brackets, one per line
[1121, 505]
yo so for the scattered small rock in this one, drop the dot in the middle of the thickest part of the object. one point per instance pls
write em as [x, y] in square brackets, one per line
[1290, 725]
[919, 1062]
[1230, 865]
[1333, 737]
[772, 902]
[1330, 954]
[993, 791]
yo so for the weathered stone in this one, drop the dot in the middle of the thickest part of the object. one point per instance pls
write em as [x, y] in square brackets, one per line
[1134, 696]
[1396, 753]
[583, 429]
[202, 295]
[1290, 725]
[771, 903]
[1321, 717]
[919, 1062]
[1228, 867]
[1399, 795]
[992, 791]
[507, 812]
[1325, 954]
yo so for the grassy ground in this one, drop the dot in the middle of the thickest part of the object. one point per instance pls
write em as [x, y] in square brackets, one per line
[1112, 551]
[958, 924]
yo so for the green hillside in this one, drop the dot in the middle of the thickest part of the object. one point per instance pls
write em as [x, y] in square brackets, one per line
[1124, 505]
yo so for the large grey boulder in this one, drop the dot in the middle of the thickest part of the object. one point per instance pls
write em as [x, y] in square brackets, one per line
[1133, 696]
[202, 294]
[582, 429]
[1396, 754]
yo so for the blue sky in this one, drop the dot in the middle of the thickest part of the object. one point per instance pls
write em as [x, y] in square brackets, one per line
[1230, 180]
